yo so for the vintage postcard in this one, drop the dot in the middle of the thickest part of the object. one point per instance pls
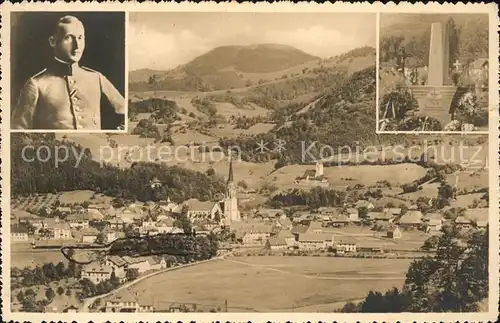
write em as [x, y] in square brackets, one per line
[276, 162]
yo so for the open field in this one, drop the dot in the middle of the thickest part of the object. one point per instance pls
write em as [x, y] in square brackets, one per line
[23, 255]
[365, 175]
[273, 283]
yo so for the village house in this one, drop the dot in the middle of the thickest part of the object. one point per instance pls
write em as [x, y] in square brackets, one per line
[88, 235]
[345, 244]
[380, 216]
[433, 222]
[94, 213]
[394, 233]
[256, 234]
[19, 233]
[78, 220]
[352, 214]
[275, 243]
[168, 205]
[156, 262]
[61, 231]
[116, 223]
[411, 219]
[165, 225]
[284, 224]
[109, 234]
[329, 211]
[478, 217]
[314, 241]
[395, 211]
[463, 222]
[96, 273]
[364, 203]
[126, 301]
[269, 213]
[117, 264]
[338, 221]
[140, 263]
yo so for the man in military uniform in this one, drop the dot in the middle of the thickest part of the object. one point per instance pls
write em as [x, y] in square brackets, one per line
[66, 95]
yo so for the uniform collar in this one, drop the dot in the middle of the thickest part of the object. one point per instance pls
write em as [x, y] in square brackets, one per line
[63, 68]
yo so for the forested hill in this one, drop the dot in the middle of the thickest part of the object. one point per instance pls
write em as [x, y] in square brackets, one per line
[132, 183]
[343, 117]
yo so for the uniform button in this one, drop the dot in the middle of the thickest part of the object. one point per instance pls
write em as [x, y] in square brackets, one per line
[71, 81]
[77, 108]
[80, 118]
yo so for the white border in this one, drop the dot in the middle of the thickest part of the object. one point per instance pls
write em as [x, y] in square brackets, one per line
[491, 315]
[7, 68]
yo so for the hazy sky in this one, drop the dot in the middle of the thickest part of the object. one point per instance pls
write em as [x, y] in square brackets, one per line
[165, 40]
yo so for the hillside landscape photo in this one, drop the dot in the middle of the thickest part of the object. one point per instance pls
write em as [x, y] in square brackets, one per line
[251, 179]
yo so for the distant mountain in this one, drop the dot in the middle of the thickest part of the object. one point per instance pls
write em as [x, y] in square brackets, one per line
[221, 68]
[263, 58]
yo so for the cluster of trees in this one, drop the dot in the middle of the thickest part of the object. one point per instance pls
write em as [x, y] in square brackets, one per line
[466, 44]
[454, 280]
[314, 198]
[146, 128]
[42, 275]
[162, 111]
[204, 105]
[89, 289]
[244, 122]
[131, 183]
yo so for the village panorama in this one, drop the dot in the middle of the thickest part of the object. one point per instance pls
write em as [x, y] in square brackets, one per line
[267, 231]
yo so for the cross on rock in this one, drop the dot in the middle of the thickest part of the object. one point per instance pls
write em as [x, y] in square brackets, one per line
[457, 65]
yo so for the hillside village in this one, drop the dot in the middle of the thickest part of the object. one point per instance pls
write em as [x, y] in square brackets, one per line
[353, 230]
[268, 205]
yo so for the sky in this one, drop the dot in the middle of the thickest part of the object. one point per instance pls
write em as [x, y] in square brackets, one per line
[162, 41]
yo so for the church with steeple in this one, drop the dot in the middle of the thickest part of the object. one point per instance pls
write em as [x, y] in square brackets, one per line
[230, 201]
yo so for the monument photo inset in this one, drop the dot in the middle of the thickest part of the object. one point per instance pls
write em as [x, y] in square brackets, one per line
[433, 72]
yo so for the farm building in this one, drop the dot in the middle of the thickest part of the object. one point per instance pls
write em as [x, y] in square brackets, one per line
[364, 203]
[394, 233]
[126, 301]
[433, 221]
[314, 241]
[19, 233]
[346, 244]
[411, 219]
[96, 273]
[463, 222]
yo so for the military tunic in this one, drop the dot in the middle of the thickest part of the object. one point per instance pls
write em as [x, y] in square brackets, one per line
[65, 96]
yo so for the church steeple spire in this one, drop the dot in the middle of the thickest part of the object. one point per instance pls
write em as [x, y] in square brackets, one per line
[230, 177]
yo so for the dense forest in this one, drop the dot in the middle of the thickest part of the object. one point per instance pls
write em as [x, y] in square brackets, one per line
[37, 176]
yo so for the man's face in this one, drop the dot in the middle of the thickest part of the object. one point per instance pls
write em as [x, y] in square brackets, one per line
[69, 42]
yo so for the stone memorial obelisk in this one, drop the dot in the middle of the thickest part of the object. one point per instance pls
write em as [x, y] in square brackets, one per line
[436, 97]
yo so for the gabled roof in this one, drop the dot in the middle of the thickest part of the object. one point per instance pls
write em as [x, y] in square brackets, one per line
[277, 241]
[118, 261]
[393, 210]
[477, 214]
[411, 217]
[93, 268]
[15, 228]
[463, 220]
[314, 237]
[200, 206]
[299, 229]
[346, 240]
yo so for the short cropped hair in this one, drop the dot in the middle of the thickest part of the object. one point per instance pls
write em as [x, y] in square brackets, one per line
[64, 20]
